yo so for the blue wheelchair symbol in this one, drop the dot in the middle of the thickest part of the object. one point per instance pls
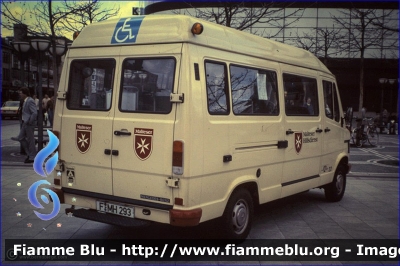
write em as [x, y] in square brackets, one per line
[126, 30]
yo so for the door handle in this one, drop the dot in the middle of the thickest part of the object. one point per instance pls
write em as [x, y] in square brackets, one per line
[318, 130]
[289, 131]
[122, 133]
[109, 152]
[327, 130]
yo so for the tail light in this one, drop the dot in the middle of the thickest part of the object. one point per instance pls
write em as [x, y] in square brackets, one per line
[177, 158]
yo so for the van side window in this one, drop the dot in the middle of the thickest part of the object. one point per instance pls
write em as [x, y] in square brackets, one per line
[254, 92]
[90, 84]
[217, 95]
[146, 85]
[301, 95]
[331, 101]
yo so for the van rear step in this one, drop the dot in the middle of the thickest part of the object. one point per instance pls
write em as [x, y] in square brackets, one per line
[106, 218]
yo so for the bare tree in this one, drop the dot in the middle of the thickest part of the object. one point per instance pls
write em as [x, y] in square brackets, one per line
[52, 19]
[306, 41]
[240, 16]
[93, 12]
[323, 42]
[10, 17]
[362, 33]
[383, 23]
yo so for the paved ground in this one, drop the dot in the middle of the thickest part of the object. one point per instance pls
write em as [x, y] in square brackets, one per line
[379, 161]
[369, 209]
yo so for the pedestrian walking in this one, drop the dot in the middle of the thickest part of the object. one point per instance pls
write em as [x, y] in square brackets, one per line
[29, 121]
[36, 102]
[44, 108]
[50, 110]
[21, 103]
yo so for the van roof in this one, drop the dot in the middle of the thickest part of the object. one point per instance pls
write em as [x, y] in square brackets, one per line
[154, 29]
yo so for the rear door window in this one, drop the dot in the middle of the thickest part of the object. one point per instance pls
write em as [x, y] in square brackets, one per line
[147, 84]
[91, 84]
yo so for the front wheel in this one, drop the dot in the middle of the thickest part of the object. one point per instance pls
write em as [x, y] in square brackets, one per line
[238, 215]
[335, 190]
[373, 137]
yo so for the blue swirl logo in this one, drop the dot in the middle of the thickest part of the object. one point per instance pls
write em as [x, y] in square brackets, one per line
[44, 153]
[49, 166]
[34, 201]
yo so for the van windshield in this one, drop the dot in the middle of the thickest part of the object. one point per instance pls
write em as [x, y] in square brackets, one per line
[147, 85]
[90, 84]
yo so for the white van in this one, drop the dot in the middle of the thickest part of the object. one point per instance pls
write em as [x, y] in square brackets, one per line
[170, 119]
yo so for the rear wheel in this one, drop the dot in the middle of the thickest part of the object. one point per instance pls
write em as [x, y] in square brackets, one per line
[238, 215]
[373, 137]
[335, 190]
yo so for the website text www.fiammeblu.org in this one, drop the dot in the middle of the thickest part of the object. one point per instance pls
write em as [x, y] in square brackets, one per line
[203, 250]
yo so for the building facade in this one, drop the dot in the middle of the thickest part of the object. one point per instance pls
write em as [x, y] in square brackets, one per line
[21, 70]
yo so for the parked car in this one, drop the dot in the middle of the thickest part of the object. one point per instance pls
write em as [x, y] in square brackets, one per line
[10, 109]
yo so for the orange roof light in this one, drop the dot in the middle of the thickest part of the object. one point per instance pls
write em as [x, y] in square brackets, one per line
[75, 35]
[197, 28]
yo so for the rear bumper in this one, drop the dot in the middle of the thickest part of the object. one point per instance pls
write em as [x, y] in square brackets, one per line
[143, 214]
[105, 218]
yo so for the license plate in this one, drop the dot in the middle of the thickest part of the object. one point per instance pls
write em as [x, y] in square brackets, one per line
[115, 209]
[8, 111]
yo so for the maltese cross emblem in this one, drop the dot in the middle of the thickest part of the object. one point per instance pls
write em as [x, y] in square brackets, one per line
[298, 141]
[83, 137]
[143, 143]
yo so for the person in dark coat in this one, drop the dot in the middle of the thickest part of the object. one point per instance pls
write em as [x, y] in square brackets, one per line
[29, 121]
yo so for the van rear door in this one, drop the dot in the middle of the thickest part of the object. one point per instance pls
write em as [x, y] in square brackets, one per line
[86, 124]
[143, 127]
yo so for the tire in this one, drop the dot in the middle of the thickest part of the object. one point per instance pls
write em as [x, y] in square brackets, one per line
[373, 137]
[334, 191]
[238, 215]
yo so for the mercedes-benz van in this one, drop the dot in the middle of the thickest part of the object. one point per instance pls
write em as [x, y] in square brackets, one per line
[170, 119]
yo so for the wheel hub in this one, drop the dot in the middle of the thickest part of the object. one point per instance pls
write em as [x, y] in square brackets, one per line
[240, 217]
[339, 183]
